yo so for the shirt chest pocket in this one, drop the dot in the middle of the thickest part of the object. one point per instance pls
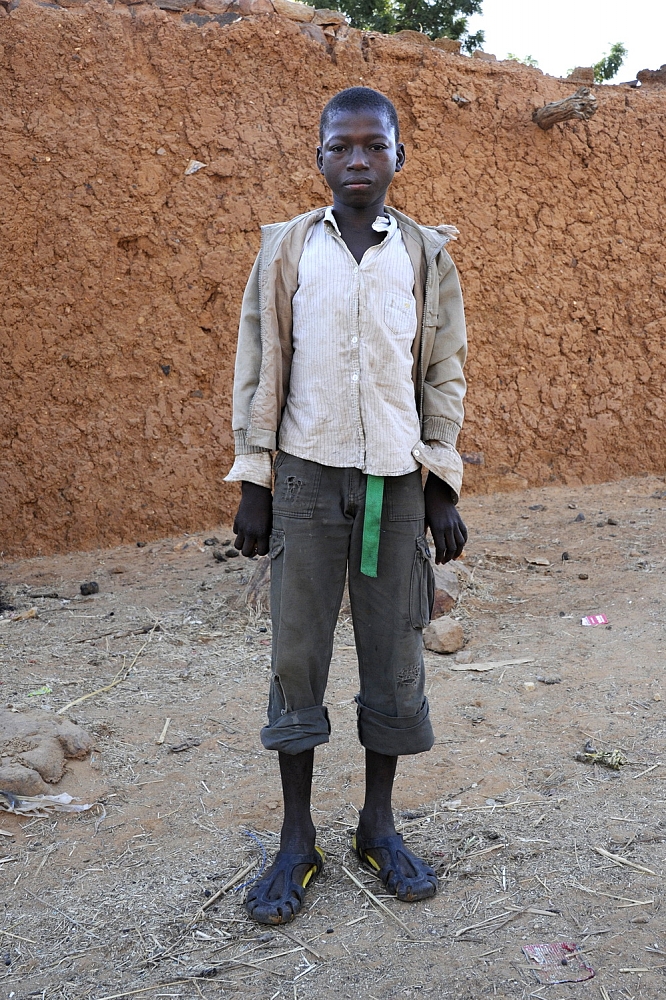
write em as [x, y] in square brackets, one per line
[400, 315]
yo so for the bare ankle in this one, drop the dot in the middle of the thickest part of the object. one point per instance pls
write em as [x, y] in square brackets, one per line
[298, 838]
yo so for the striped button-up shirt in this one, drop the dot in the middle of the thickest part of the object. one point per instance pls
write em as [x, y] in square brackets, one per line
[351, 400]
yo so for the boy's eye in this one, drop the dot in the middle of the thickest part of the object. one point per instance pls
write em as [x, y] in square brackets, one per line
[337, 149]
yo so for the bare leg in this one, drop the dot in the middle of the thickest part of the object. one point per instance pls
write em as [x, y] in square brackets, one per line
[278, 895]
[298, 831]
[402, 872]
[376, 818]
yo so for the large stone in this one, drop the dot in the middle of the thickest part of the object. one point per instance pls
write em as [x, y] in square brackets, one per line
[20, 780]
[293, 10]
[480, 54]
[37, 743]
[326, 17]
[582, 74]
[650, 77]
[248, 7]
[444, 635]
[407, 35]
[217, 6]
[449, 45]
[315, 32]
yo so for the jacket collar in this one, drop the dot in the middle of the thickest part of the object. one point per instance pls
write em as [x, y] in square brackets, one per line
[431, 238]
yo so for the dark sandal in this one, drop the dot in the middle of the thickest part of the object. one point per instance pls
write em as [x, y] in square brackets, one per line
[409, 888]
[262, 908]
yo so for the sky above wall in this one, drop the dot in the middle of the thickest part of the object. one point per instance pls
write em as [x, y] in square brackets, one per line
[561, 34]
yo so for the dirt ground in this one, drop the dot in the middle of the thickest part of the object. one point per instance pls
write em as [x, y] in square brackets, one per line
[109, 902]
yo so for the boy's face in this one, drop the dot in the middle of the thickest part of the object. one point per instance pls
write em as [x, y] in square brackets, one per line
[359, 157]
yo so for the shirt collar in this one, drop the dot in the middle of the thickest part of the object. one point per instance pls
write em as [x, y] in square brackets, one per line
[382, 224]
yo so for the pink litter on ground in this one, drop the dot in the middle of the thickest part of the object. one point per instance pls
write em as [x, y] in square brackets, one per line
[558, 962]
[594, 620]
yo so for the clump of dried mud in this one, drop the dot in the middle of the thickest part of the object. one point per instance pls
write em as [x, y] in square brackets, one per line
[122, 275]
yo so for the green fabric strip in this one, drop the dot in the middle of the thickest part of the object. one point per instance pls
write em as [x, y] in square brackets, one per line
[374, 498]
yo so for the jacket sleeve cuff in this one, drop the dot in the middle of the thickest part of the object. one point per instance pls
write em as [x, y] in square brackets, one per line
[440, 429]
[243, 447]
[444, 461]
[254, 468]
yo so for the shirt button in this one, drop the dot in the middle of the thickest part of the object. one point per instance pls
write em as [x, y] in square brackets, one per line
[354, 340]
[354, 377]
[416, 452]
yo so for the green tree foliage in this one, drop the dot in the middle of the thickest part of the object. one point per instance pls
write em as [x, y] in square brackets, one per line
[436, 18]
[526, 61]
[608, 66]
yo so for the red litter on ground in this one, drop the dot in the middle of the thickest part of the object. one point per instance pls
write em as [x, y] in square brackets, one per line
[558, 962]
[592, 620]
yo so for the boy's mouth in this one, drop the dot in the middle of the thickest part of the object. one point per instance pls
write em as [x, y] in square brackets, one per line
[358, 183]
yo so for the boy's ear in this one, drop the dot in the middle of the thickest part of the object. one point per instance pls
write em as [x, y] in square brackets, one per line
[399, 156]
[320, 160]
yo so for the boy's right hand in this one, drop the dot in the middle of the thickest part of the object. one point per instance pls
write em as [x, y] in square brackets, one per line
[254, 520]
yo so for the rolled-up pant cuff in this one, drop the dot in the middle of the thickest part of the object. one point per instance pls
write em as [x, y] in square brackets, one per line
[394, 736]
[297, 731]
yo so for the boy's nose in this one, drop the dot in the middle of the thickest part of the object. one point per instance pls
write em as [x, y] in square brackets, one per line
[357, 160]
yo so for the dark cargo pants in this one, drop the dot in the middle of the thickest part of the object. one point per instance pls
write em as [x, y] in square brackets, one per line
[317, 535]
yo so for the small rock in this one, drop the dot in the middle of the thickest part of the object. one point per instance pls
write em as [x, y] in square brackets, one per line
[140, 545]
[89, 588]
[583, 576]
[466, 656]
[579, 517]
[219, 556]
[529, 685]
[556, 679]
[447, 589]
[572, 506]
[656, 697]
[611, 520]
[537, 506]
[166, 369]
[640, 919]
[565, 557]
[601, 524]
[444, 635]
[211, 541]
[22, 780]
[48, 758]
[43, 593]
[231, 553]
[193, 167]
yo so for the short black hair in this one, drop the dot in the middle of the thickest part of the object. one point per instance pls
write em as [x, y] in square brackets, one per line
[359, 99]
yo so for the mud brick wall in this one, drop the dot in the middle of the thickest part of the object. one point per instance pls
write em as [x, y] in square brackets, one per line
[122, 276]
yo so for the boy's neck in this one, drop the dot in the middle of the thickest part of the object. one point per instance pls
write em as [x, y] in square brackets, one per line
[359, 219]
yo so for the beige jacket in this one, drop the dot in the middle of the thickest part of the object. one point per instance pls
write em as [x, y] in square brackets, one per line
[263, 359]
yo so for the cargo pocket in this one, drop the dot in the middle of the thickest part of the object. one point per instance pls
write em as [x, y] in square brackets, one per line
[296, 486]
[422, 586]
[276, 544]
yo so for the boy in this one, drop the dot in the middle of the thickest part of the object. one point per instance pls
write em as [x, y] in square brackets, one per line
[350, 355]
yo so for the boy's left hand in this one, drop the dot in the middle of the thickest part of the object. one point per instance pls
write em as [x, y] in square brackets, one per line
[447, 526]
